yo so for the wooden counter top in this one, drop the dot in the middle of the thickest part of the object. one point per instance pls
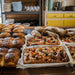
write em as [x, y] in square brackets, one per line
[39, 71]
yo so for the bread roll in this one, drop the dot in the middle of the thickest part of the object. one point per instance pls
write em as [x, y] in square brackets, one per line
[7, 42]
[1, 59]
[5, 34]
[2, 25]
[19, 26]
[11, 60]
[6, 30]
[12, 25]
[18, 30]
[4, 50]
[18, 42]
[36, 33]
[15, 51]
[8, 26]
[18, 35]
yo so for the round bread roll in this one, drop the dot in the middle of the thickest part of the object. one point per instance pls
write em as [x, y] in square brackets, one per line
[6, 30]
[5, 34]
[36, 33]
[18, 35]
[19, 26]
[11, 60]
[4, 50]
[18, 42]
[15, 51]
[8, 42]
[18, 30]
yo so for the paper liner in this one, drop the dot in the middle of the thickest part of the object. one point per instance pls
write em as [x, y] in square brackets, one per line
[67, 45]
[23, 66]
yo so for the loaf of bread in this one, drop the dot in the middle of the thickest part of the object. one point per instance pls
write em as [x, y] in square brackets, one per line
[19, 26]
[22, 35]
[5, 34]
[7, 42]
[18, 30]
[18, 42]
[6, 30]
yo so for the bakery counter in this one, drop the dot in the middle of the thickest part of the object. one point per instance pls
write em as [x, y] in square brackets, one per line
[39, 71]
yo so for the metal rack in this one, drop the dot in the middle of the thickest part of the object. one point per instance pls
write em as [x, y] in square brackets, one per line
[23, 12]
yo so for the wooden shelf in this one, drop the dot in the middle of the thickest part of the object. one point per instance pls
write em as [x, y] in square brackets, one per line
[23, 12]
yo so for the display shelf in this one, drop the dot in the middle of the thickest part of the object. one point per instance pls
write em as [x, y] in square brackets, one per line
[7, 15]
[23, 12]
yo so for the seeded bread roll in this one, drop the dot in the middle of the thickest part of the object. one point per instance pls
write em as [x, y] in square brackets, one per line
[5, 34]
[22, 35]
[1, 59]
[18, 30]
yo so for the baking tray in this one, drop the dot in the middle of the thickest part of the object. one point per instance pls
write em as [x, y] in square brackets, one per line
[23, 66]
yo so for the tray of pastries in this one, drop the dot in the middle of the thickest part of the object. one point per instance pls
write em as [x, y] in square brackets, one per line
[9, 57]
[42, 38]
[43, 56]
[12, 38]
[71, 49]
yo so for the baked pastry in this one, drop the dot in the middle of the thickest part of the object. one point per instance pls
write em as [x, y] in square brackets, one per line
[41, 30]
[18, 30]
[36, 33]
[15, 51]
[19, 26]
[72, 51]
[12, 25]
[5, 34]
[8, 26]
[42, 41]
[45, 55]
[22, 35]
[6, 30]
[60, 31]
[1, 40]
[4, 50]
[11, 60]
[2, 59]
[18, 42]
[7, 42]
